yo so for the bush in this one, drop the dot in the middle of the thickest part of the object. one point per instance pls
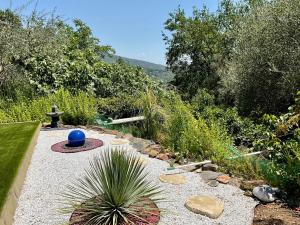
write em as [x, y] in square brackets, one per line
[78, 109]
[202, 99]
[283, 144]
[177, 128]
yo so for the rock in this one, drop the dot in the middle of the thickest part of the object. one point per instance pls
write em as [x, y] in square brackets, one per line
[205, 205]
[235, 182]
[250, 184]
[173, 178]
[209, 175]
[114, 132]
[224, 179]
[128, 137]
[210, 167]
[153, 153]
[198, 170]
[163, 156]
[141, 145]
[265, 193]
[213, 183]
[248, 193]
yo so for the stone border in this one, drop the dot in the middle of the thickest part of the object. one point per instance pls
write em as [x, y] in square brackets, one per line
[11, 203]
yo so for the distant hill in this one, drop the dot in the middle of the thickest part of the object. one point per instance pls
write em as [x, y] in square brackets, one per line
[156, 71]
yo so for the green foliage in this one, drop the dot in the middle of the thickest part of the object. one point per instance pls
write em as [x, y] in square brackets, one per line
[78, 109]
[283, 145]
[173, 123]
[199, 46]
[263, 74]
[202, 99]
[113, 190]
[44, 55]
[191, 50]
[154, 115]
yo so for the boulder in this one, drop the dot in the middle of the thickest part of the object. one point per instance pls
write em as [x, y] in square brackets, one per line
[265, 193]
[205, 205]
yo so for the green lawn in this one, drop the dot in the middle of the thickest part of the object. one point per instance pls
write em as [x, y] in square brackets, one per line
[14, 141]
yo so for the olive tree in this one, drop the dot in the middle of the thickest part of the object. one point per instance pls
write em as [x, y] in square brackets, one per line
[263, 74]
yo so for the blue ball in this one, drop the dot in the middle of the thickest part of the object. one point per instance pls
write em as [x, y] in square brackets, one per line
[76, 138]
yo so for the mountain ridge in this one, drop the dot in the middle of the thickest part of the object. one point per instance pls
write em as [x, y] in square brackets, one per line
[156, 71]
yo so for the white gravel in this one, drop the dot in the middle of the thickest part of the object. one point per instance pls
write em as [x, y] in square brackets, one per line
[49, 172]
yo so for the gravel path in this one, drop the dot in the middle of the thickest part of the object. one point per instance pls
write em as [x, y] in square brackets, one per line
[49, 172]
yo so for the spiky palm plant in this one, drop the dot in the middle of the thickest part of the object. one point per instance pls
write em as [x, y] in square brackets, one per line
[113, 191]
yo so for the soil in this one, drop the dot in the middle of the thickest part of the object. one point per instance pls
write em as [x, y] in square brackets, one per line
[149, 217]
[275, 214]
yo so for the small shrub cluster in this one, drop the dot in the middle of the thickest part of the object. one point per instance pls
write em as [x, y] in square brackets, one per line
[78, 109]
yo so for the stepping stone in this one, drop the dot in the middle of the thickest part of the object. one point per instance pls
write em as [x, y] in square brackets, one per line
[209, 175]
[173, 178]
[205, 205]
[119, 142]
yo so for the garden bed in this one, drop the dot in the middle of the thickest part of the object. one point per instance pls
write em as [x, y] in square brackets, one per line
[17, 144]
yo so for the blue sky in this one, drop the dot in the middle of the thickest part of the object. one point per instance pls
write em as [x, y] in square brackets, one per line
[132, 27]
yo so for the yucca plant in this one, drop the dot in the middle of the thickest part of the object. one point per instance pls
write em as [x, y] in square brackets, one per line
[113, 191]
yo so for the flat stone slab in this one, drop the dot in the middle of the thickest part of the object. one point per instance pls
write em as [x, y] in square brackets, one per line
[205, 205]
[173, 178]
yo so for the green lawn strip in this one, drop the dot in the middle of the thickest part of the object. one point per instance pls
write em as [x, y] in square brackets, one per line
[14, 141]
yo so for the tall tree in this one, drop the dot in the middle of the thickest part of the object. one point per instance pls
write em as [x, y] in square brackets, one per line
[264, 71]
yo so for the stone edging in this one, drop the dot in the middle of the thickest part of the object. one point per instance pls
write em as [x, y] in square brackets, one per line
[11, 203]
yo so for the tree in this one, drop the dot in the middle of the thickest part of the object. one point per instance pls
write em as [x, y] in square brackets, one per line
[264, 71]
[192, 50]
[199, 46]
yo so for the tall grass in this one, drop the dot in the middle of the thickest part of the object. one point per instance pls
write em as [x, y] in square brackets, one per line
[78, 109]
[173, 123]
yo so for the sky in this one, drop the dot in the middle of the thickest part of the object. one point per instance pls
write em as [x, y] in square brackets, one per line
[132, 27]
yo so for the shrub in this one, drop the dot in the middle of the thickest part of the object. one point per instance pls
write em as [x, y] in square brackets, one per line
[78, 109]
[202, 99]
[113, 191]
[189, 135]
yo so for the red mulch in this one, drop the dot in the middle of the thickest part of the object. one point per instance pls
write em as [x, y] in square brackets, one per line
[90, 143]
